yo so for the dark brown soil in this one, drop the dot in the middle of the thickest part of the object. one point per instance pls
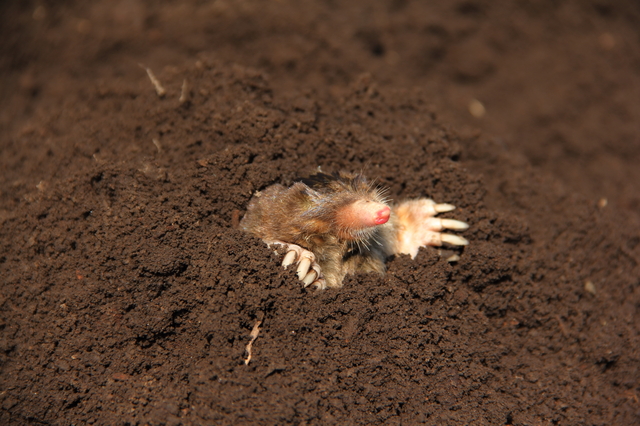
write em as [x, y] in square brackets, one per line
[128, 297]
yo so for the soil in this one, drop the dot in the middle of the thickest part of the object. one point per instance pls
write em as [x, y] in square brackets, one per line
[128, 295]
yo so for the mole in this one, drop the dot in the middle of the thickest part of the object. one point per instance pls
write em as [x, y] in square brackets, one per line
[331, 225]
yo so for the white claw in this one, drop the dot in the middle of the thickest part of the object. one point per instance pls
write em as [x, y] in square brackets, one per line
[321, 284]
[454, 224]
[453, 240]
[310, 278]
[303, 267]
[289, 258]
[443, 208]
[453, 258]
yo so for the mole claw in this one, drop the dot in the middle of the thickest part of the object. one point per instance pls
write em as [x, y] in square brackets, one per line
[442, 208]
[303, 267]
[453, 258]
[320, 284]
[454, 240]
[310, 278]
[289, 258]
[454, 224]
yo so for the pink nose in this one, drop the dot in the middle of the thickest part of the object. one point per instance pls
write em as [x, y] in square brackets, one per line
[382, 215]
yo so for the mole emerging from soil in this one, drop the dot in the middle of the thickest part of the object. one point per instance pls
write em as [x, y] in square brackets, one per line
[339, 224]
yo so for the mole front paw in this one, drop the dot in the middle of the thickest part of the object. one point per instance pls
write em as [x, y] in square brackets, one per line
[417, 226]
[308, 270]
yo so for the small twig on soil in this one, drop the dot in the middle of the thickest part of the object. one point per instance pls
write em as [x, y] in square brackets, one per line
[183, 94]
[254, 336]
[157, 144]
[563, 328]
[159, 89]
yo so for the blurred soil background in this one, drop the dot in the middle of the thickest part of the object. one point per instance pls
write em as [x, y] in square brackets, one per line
[128, 295]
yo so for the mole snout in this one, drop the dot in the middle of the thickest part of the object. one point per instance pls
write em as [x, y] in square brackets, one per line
[363, 214]
[382, 215]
